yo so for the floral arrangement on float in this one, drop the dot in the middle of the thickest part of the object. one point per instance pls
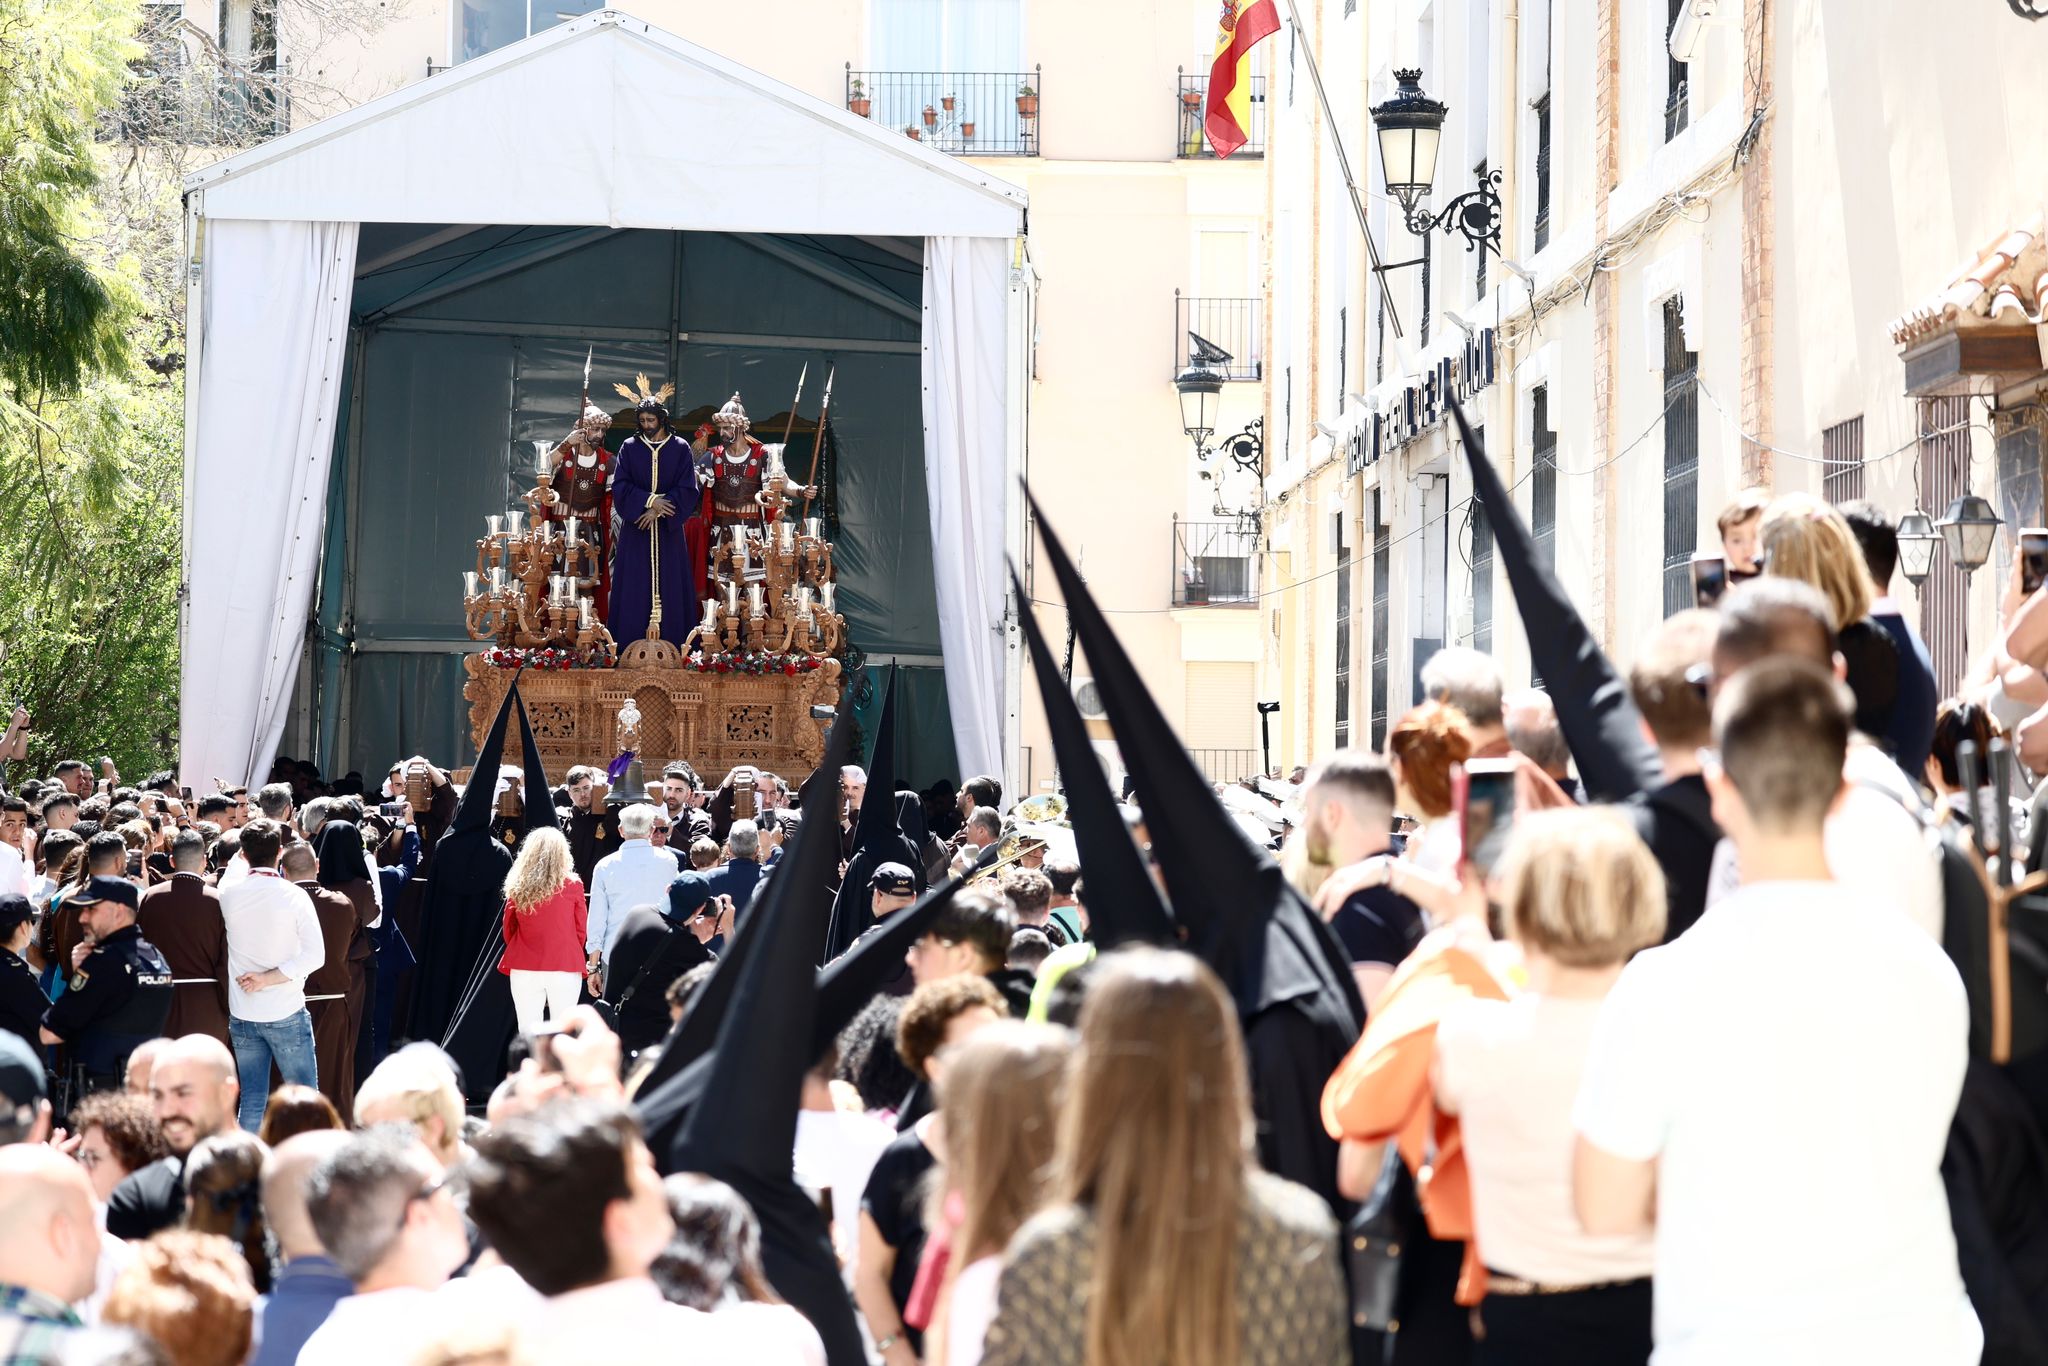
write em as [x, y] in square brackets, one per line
[755, 662]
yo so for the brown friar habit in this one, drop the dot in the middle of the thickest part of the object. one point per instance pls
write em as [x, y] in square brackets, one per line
[182, 918]
[335, 1019]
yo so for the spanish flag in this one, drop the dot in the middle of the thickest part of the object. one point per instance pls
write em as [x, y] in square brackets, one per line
[1227, 118]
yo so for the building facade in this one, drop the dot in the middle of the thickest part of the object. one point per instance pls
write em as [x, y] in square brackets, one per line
[1700, 264]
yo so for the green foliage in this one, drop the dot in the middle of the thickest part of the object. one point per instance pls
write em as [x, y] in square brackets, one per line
[62, 318]
[90, 445]
[90, 511]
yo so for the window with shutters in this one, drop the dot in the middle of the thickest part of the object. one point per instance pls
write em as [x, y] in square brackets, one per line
[1482, 579]
[1542, 170]
[1676, 113]
[1944, 477]
[1543, 478]
[1342, 688]
[1841, 449]
[1382, 566]
[1681, 460]
[1221, 720]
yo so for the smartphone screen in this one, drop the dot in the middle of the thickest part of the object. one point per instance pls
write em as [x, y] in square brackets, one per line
[1487, 811]
[391, 811]
[2033, 558]
[540, 1045]
[1709, 579]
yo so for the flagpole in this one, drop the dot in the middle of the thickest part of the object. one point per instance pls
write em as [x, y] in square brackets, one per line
[1372, 250]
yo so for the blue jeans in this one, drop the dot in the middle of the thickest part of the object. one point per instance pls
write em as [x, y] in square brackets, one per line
[258, 1043]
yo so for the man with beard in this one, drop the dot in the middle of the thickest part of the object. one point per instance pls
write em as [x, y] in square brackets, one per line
[1348, 809]
[593, 830]
[193, 1086]
[654, 491]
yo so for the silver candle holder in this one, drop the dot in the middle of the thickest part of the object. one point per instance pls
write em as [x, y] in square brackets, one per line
[494, 526]
[814, 527]
[468, 583]
[755, 605]
[787, 533]
[514, 523]
[497, 578]
[828, 594]
[570, 531]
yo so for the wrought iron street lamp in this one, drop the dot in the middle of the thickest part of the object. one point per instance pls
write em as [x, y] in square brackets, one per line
[1410, 128]
[1200, 389]
[1918, 540]
[1970, 528]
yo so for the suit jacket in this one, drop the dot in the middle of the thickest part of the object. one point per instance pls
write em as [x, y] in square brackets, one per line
[182, 918]
[736, 879]
[1910, 736]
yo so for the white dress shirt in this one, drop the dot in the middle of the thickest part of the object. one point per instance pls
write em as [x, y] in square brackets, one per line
[271, 924]
[638, 874]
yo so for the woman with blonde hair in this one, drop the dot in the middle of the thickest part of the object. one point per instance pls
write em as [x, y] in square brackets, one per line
[546, 918]
[1804, 538]
[1166, 1243]
[1001, 1103]
[1579, 895]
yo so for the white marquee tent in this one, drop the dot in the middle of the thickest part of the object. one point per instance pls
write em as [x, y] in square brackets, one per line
[662, 135]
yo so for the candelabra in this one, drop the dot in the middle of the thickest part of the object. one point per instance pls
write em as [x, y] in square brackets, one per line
[770, 588]
[533, 579]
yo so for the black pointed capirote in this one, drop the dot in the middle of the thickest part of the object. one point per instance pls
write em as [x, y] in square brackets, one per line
[1292, 984]
[743, 1130]
[877, 838]
[1124, 905]
[538, 796]
[845, 986]
[463, 896]
[1600, 722]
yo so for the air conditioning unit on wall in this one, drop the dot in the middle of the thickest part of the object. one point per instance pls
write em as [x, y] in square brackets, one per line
[1088, 699]
[1689, 29]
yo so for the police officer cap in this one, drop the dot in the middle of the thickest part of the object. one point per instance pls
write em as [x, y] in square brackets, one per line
[108, 889]
[14, 908]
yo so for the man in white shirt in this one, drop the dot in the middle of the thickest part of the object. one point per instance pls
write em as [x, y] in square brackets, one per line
[637, 874]
[1773, 1090]
[1876, 845]
[383, 1209]
[274, 944]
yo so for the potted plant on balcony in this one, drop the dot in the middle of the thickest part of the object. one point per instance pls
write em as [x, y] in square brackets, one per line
[857, 101]
[1194, 589]
[1191, 100]
[967, 131]
[1027, 101]
[946, 103]
[931, 117]
[914, 133]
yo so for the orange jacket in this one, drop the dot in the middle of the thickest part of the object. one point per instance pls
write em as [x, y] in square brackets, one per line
[1382, 1089]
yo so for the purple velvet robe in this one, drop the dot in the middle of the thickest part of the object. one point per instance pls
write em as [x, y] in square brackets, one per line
[633, 482]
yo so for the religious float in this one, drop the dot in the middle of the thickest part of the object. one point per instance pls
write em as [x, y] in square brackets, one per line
[668, 599]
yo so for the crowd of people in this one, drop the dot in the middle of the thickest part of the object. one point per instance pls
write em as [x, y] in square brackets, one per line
[1679, 1011]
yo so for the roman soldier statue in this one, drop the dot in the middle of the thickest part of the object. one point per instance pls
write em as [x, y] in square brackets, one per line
[654, 491]
[732, 466]
[582, 480]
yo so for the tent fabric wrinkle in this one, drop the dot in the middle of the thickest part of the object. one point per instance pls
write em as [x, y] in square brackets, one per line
[966, 283]
[275, 308]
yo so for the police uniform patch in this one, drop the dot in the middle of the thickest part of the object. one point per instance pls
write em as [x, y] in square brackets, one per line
[77, 981]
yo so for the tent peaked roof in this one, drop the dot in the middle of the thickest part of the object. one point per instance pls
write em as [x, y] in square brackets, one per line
[608, 121]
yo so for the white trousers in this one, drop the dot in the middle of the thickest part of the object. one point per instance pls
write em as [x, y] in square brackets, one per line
[532, 990]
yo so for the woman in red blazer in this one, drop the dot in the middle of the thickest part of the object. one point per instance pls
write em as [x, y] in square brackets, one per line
[546, 917]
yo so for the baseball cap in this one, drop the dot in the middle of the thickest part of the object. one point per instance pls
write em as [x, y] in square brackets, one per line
[687, 895]
[14, 908]
[107, 889]
[894, 879]
[21, 1072]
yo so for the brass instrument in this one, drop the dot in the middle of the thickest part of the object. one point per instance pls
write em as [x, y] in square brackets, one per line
[1025, 829]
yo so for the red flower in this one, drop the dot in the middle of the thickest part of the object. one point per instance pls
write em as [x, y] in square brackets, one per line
[724, 667]
[789, 669]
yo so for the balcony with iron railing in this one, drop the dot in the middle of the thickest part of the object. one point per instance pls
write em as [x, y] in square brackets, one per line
[1215, 564]
[967, 113]
[1194, 95]
[193, 107]
[1230, 327]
